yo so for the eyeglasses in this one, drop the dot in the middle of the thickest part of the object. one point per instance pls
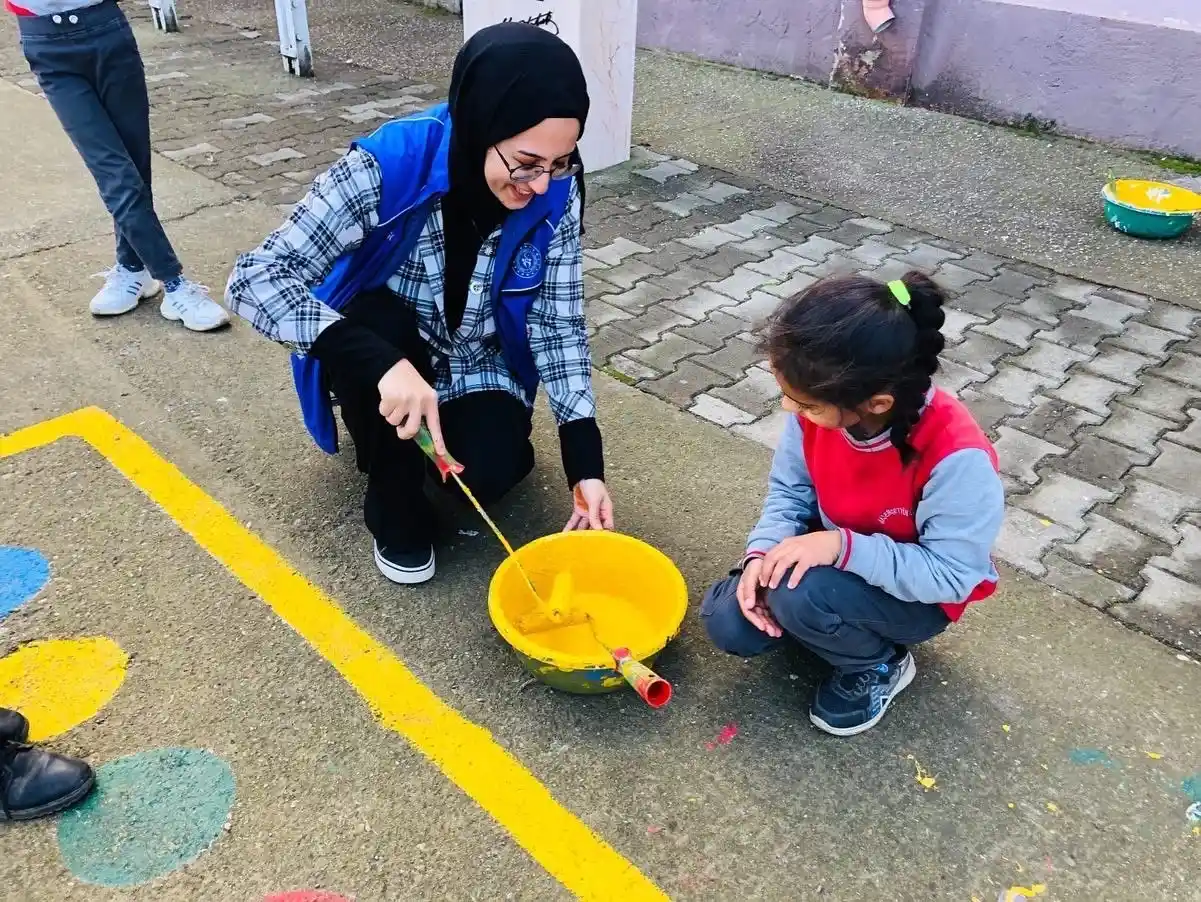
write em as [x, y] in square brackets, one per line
[528, 173]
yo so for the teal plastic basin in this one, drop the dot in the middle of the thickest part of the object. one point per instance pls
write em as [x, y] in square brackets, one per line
[1143, 223]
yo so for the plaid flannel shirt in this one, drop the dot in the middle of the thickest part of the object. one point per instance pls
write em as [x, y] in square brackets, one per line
[269, 287]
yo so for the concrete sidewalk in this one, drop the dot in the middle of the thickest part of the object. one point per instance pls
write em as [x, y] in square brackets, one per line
[1015, 194]
[1034, 719]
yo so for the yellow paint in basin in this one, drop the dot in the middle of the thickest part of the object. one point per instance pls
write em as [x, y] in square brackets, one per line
[616, 621]
[1154, 197]
[632, 592]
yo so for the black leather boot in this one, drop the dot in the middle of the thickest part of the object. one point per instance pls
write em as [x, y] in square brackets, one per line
[35, 783]
[13, 726]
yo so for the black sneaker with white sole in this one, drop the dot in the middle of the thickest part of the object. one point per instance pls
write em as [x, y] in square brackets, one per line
[408, 567]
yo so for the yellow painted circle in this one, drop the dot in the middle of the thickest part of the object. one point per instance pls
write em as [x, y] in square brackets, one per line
[60, 683]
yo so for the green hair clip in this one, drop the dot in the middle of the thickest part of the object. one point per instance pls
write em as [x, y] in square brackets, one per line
[900, 291]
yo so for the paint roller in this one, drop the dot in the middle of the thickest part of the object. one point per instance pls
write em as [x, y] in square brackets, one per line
[552, 614]
[546, 615]
[651, 688]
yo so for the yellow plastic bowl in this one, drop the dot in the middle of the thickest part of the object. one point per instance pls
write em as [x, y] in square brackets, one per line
[1153, 197]
[634, 593]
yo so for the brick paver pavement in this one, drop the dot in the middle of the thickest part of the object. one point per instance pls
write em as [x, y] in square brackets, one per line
[1088, 391]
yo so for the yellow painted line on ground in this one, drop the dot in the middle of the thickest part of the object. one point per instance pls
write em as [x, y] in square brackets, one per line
[467, 754]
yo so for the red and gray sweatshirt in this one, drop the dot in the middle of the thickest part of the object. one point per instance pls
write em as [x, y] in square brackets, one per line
[923, 533]
[47, 7]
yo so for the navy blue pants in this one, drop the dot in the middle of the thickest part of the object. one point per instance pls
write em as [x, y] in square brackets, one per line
[88, 66]
[833, 613]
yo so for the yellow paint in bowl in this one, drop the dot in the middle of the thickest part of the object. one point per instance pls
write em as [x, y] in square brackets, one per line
[60, 683]
[1154, 197]
[633, 593]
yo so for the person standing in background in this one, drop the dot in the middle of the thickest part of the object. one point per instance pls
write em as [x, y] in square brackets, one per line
[86, 61]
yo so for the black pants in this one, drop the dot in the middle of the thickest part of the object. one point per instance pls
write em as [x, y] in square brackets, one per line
[487, 432]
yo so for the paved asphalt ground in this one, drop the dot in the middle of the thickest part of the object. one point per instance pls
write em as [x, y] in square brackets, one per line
[1059, 747]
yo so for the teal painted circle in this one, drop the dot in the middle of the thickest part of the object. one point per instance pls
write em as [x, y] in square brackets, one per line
[150, 814]
[23, 573]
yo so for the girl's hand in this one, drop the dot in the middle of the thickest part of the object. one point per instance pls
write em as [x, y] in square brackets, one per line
[751, 602]
[592, 508]
[815, 549]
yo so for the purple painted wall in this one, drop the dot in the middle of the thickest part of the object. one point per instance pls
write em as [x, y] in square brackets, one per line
[790, 37]
[1129, 82]
[1122, 71]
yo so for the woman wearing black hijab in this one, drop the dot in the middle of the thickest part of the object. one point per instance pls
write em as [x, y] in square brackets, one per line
[434, 275]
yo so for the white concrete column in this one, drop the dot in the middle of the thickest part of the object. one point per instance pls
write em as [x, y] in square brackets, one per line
[603, 35]
[293, 20]
[164, 15]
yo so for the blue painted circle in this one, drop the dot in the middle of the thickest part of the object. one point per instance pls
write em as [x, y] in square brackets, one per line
[23, 573]
[150, 814]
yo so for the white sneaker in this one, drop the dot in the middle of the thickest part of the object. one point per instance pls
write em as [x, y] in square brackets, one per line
[191, 305]
[122, 291]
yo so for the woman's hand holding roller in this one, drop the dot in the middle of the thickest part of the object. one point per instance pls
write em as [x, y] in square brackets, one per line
[406, 399]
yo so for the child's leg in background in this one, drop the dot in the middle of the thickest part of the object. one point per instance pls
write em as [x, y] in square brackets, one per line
[849, 623]
[864, 632]
[861, 630]
[92, 75]
[124, 95]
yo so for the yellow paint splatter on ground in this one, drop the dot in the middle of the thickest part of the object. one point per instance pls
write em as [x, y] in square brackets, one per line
[1024, 892]
[1154, 756]
[923, 776]
[1052, 807]
[1005, 727]
[60, 683]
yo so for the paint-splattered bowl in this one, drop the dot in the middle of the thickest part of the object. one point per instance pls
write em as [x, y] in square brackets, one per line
[637, 580]
[1148, 209]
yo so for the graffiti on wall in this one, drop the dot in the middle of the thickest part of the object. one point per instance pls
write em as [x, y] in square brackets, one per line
[541, 19]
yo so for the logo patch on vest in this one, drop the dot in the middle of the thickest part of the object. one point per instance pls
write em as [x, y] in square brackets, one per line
[527, 262]
[903, 512]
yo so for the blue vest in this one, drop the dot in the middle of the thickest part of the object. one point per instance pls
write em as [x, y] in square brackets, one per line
[412, 156]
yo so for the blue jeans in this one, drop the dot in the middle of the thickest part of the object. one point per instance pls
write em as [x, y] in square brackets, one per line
[833, 613]
[87, 64]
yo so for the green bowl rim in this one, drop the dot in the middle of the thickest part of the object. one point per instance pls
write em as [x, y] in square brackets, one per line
[1179, 214]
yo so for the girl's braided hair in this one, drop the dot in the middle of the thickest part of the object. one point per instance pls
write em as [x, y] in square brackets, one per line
[843, 340]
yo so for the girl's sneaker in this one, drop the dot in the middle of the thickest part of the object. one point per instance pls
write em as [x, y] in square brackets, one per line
[189, 303]
[123, 289]
[852, 701]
